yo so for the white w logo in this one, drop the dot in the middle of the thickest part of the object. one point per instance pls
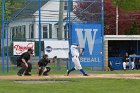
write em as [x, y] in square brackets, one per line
[89, 36]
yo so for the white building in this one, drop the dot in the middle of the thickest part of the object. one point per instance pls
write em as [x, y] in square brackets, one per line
[25, 23]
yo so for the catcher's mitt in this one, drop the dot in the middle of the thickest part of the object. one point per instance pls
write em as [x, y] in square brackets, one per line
[54, 58]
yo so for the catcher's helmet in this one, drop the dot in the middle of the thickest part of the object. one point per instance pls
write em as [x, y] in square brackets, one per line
[45, 55]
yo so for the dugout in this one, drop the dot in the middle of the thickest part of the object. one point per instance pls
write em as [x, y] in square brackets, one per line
[117, 45]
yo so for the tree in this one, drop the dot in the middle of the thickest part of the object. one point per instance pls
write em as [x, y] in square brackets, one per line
[128, 16]
[10, 7]
[7, 3]
[87, 11]
[110, 17]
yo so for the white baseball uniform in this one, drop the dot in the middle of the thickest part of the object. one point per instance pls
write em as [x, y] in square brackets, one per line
[127, 63]
[75, 57]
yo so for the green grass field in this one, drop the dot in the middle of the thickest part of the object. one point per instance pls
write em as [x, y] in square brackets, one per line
[77, 85]
[85, 85]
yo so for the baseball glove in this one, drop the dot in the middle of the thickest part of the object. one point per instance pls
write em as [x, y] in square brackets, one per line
[54, 58]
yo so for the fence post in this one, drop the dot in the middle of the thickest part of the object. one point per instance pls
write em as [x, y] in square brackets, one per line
[2, 33]
[39, 29]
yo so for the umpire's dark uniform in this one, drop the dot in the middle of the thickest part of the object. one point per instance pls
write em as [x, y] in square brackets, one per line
[20, 63]
[42, 65]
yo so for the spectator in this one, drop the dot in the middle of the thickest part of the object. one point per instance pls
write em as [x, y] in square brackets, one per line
[126, 62]
[132, 52]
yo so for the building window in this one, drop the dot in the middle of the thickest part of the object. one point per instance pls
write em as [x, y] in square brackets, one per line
[23, 30]
[65, 33]
[11, 33]
[19, 28]
[66, 6]
[14, 32]
[50, 30]
[45, 31]
[18, 31]
[31, 31]
[57, 32]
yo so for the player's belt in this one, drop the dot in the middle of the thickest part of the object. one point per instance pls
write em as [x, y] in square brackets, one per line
[74, 56]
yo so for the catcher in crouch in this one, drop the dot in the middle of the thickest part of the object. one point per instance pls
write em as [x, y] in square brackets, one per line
[42, 65]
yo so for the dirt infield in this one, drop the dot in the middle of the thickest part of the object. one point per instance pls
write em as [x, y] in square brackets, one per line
[118, 76]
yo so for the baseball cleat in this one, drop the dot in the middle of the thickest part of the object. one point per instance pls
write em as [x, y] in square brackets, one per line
[19, 74]
[27, 74]
[85, 75]
[67, 73]
[45, 75]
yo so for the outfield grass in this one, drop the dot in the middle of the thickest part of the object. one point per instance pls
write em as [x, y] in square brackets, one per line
[79, 85]
[85, 85]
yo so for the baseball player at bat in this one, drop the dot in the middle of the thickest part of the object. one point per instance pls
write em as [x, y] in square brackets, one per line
[75, 59]
[42, 65]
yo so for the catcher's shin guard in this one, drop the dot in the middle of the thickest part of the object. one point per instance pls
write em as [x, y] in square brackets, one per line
[40, 72]
[46, 72]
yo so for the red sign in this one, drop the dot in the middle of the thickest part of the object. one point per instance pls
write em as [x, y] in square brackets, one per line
[21, 47]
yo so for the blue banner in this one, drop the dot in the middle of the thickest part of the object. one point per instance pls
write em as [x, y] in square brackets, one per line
[89, 36]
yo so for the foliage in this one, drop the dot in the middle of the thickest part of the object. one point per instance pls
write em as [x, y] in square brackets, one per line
[134, 30]
[129, 17]
[128, 5]
[85, 11]
[110, 17]
[126, 19]
[10, 7]
[88, 11]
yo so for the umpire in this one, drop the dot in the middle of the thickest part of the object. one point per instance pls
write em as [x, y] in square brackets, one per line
[42, 65]
[24, 64]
